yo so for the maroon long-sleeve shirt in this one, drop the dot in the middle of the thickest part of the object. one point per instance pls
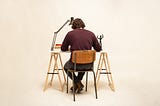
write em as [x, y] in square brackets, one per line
[80, 39]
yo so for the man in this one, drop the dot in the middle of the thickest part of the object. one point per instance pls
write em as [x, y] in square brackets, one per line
[79, 39]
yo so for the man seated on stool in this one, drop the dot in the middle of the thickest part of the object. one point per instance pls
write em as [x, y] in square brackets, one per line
[79, 39]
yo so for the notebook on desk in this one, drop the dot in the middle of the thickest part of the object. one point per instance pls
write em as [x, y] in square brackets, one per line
[57, 48]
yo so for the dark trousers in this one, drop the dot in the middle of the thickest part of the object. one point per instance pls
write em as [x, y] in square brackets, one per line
[80, 67]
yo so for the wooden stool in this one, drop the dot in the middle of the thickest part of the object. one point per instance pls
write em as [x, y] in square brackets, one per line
[103, 60]
[55, 68]
[83, 57]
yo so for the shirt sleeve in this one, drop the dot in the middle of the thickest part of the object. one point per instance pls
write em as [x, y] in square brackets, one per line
[96, 44]
[65, 43]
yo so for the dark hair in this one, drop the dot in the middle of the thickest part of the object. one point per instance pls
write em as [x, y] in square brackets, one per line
[78, 23]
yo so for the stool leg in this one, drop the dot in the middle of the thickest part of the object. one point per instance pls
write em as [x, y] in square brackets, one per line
[67, 81]
[86, 80]
[73, 86]
[95, 84]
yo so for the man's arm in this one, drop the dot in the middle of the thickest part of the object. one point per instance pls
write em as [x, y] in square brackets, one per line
[65, 43]
[96, 44]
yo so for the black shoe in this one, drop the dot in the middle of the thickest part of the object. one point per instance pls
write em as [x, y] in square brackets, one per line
[80, 87]
[75, 87]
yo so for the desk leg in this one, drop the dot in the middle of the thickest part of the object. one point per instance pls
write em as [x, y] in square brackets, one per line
[104, 60]
[45, 85]
[54, 68]
[57, 69]
[111, 83]
[99, 69]
[106, 67]
[62, 68]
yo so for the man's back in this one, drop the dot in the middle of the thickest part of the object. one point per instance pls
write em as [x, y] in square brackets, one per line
[80, 39]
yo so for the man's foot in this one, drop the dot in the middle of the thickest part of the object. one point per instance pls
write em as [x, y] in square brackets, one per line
[80, 87]
[75, 87]
[82, 84]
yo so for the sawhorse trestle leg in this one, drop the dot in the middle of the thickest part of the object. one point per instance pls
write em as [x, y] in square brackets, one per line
[56, 70]
[103, 64]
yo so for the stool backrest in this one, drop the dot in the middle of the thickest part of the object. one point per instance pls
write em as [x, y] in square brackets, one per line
[83, 56]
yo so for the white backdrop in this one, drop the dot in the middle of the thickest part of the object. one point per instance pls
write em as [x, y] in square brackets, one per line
[130, 28]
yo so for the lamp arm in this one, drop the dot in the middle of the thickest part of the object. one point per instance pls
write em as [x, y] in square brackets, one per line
[62, 26]
[55, 35]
